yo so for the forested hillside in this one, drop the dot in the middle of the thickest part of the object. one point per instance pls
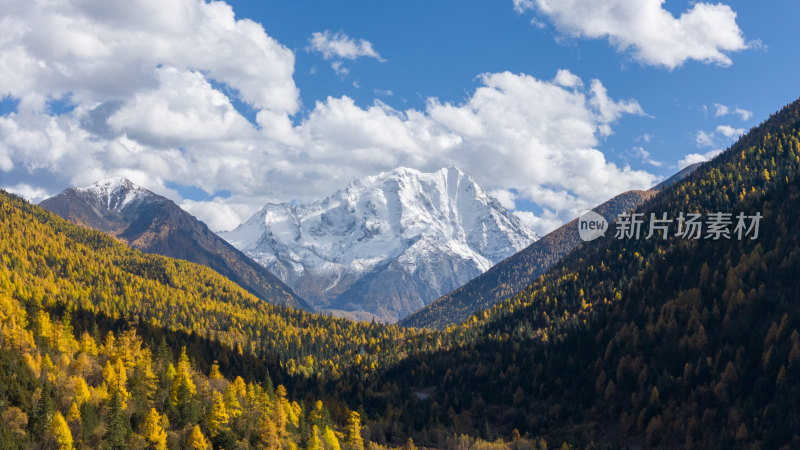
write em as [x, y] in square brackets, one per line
[65, 383]
[675, 342]
[49, 263]
[59, 391]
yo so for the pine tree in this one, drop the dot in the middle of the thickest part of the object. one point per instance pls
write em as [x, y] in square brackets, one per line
[218, 416]
[280, 411]
[122, 383]
[232, 400]
[215, 373]
[196, 439]
[153, 431]
[74, 421]
[74, 414]
[183, 391]
[268, 387]
[90, 420]
[319, 416]
[116, 423]
[115, 380]
[80, 391]
[268, 432]
[314, 442]
[188, 410]
[109, 348]
[61, 432]
[164, 354]
[330, 440]
[43, 414]
[182, 378]
[144, 382]
[354, 440]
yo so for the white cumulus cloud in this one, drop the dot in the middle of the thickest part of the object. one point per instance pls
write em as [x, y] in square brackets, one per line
[722, 135]
[693, 158]
[98, 51]
[704, 139]
[505, 197]
[548, 220]
[339, 45]
[182, 108]
[744, 114]
[567, 79]
[649, 33]
[33, 194]
[723, 110]
[644, 155]
[729, 132]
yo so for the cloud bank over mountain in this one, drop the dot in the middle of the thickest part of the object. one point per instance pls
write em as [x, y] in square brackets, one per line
[154, 91]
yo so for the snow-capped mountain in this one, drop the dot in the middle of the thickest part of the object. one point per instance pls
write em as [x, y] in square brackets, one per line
[108, 205]
[154, 224]
[385, 245]
[115, 193]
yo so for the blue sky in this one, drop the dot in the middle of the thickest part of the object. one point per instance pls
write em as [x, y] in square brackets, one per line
[222, 116]
[437, 49]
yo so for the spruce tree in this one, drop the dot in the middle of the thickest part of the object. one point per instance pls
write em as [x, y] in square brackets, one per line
[116, 423]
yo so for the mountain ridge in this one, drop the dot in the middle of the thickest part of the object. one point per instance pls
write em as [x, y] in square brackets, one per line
[154, 224]
[516, 272]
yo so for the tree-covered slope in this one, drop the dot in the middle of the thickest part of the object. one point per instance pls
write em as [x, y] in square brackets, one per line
[674, 343]
[49, 262]
[60, 389]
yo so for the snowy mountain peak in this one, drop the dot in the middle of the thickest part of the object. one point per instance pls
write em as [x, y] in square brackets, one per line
[429, 232]
[114, 193]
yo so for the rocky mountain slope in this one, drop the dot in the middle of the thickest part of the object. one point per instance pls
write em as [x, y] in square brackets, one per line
[385, 245]
[516, 272]
[154, 224]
